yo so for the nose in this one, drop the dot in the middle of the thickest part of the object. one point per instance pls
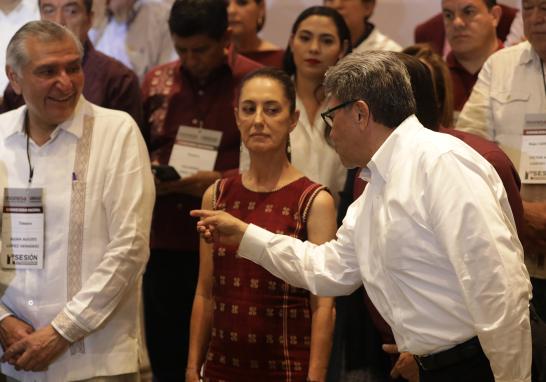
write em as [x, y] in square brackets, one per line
[458, 21]
[538, 15]
[189, 61]
[64, 82]
[231, 7]
[336, 4]
[57, 16]
[259, 116]
[314, 45]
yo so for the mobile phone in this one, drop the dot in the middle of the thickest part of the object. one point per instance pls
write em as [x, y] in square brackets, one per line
[165, 173]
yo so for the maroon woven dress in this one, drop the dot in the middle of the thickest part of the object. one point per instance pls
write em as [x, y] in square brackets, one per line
[262, 326]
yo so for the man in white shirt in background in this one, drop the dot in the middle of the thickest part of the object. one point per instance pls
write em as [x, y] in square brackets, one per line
[77, 179]
[508, 106]
[432, 238]
[364, 34]
[13, 15]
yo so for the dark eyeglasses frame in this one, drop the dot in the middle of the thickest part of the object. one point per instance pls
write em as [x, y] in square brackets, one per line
[327, 115]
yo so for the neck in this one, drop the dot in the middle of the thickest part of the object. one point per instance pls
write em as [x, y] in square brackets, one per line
[39, 133]
[247, 43]
[122, 15]
[7, 6]
[268, 171]
[474, 61]
[306, 88]
[357, 33]
[378, 135]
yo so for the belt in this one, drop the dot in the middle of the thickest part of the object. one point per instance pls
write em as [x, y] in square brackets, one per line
[456, 354]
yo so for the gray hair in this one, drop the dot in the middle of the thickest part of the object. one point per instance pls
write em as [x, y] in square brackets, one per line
[42, 30]
[378, 78]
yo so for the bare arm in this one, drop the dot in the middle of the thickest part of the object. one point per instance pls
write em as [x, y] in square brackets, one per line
[321, 227]
[201, 316]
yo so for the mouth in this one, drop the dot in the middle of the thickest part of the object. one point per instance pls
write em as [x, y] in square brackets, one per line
[62, 99]
[313, 61]
[258, 135]
[459, 36]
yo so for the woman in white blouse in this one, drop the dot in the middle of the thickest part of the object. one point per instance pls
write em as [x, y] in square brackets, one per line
[319, 39]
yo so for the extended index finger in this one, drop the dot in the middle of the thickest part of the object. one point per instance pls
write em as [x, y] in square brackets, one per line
[203, 213]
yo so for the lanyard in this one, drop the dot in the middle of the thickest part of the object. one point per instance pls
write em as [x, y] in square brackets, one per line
[30, 167]
[543, 79]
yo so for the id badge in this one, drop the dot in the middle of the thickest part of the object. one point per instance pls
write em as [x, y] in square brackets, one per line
[22, 229]
[195, 150]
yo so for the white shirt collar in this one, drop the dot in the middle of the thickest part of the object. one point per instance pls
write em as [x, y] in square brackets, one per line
[380, 163]
[73, 125]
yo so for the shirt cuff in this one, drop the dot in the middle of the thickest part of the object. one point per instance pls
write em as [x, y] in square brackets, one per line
[254, 242]
[67, 328]
[4, 312]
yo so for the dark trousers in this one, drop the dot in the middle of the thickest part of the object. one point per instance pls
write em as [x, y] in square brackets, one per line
[473, 369]
[539, 296]
[168, 290]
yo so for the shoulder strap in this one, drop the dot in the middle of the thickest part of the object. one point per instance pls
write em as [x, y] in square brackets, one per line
[306, 199]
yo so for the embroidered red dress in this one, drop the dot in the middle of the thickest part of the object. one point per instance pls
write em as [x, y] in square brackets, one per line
[262, 326]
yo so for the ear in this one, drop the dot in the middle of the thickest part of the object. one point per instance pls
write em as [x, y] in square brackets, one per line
[496, 12]
[236, 112]
[13, 79]
[291, 43]
[294, 120]
[369, 7]
[261, 8]
[91, 16]
[362, 114]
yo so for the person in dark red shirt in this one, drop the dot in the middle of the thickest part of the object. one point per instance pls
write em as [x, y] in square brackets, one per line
[197, 90]
[471, 31]
[246, 19]
[432, 31]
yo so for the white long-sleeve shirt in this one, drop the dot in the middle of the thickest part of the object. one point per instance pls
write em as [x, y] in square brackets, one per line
[434, 242]
[105, 274]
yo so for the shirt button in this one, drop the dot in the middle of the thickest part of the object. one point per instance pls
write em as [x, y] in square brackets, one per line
[195, 121]
[200, 92]
[30, 302]
[180, 206]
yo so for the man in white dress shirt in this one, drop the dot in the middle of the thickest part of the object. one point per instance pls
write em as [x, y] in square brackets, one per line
[76, 195]
[432, 238]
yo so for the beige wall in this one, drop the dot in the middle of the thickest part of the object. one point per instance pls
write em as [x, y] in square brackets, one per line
[396, 18]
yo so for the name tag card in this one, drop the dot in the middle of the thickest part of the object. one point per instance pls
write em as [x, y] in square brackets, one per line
[532, 165]
[195, 150]
[22, 229]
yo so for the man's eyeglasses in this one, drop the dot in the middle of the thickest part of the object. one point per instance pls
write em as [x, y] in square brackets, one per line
[328, 115]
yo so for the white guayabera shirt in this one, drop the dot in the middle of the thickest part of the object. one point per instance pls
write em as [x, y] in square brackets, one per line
[98, 210]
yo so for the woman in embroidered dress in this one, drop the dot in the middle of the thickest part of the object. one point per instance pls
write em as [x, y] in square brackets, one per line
[248, 325]
[246, 19]
[319, 39]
